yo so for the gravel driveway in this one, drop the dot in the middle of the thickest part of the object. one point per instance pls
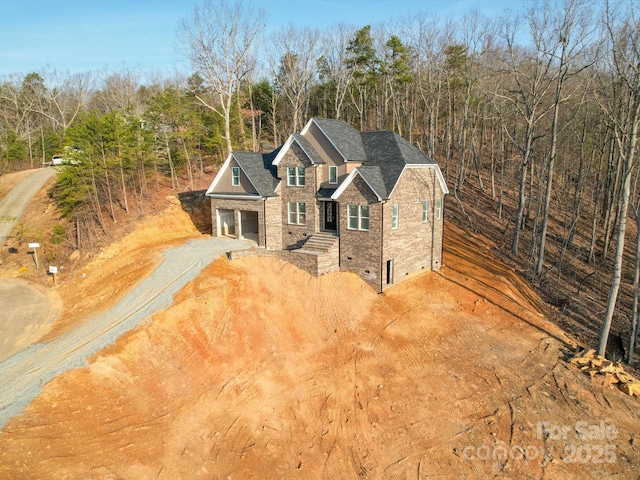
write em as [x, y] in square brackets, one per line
[24, 374]
[13, 205]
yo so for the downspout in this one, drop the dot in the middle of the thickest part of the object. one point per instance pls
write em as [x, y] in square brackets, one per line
[442, 238]
[317, 221]
[264, 221]
[382, 264]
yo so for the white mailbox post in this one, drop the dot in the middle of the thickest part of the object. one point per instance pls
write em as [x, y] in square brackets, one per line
[35, 247]
[53, 271]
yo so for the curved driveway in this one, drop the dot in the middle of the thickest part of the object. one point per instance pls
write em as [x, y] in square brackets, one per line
[13, 205]
[23, 374]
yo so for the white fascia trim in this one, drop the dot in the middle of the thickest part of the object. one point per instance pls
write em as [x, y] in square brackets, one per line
[307, 126]
[235, 197]
[286, 147]
[282, 151]
[304, 130]
[346, 183]
[219, 175]
[435, 167]
[225, 166]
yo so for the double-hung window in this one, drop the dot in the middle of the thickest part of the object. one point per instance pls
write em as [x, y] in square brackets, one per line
[438, 208]
[235, 176]
[297, 213]
[425, 210]
[295, 177]
[358, 217]
[333, 174]
[394, 216]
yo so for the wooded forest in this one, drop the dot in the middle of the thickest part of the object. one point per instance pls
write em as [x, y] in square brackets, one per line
[533, 117]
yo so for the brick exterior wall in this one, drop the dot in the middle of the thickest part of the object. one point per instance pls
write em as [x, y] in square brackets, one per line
[311, 263]
[360, 251]
[415, 245]
[306, 262]
[237, 206]
[273, 223]
[293, 236]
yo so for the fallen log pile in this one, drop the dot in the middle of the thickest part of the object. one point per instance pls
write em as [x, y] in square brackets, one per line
[588, 362]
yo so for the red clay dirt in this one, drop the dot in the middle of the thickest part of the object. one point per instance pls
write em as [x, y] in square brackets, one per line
[259, 370]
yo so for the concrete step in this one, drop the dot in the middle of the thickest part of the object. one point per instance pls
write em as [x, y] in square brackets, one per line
[320, 242]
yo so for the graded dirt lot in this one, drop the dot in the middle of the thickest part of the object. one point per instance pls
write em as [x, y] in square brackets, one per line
[28, 310]
[259, 370]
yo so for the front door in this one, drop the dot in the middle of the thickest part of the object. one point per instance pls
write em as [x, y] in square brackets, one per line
[330, 216]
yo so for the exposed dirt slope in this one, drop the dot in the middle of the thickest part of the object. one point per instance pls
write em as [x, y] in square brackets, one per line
[260, 371]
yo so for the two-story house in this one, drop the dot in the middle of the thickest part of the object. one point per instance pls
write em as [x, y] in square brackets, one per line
[370, 200]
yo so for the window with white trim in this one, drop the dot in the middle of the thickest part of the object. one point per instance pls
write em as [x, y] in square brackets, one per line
[235, 176]
[394, 216]
[333, 174]
[438, 208]
[297, 213]
[358, 217]
[425, 210]
[296, 177]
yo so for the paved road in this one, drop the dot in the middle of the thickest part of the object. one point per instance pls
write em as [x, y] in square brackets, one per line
[23, 374]
[15, 203]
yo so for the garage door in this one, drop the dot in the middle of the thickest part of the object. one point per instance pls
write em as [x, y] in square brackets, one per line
[226, 223]
[249, 227]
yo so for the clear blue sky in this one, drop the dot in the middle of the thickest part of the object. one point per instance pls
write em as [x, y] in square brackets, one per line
[91, 35]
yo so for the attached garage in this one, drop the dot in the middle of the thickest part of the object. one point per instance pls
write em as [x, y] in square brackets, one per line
[249, 225]
[226, 223]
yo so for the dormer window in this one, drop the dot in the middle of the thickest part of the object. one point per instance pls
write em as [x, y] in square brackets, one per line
[235, 176]
[296, 177]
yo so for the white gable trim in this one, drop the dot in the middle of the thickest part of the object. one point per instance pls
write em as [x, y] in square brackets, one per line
[286, 147]
[306, 129]
[347, 181]
[219, 175]
[225, 166]
[236, 197]
[307, 126]
[283, 150]
[435, 167]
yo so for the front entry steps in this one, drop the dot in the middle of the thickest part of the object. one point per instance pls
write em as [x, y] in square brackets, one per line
[320, 242]
[327, 249]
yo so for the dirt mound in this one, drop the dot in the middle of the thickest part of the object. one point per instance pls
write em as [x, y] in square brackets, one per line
[259, 370]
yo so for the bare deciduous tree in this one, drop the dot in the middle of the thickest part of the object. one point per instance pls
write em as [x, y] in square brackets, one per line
[622, 108]
[217, 40]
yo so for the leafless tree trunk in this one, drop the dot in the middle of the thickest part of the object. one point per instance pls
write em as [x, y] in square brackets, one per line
[568, 37]
[295, 69]
[217, 40]
[625, 44]
[633, 336]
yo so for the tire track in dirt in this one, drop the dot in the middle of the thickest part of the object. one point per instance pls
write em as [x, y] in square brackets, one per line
[25, 373]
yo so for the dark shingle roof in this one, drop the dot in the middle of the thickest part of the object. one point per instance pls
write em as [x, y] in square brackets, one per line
[260, 171]
[383, 155]
[308, 148]
[325, 192]
[388, 152]
[344, 137]
[375, 179]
